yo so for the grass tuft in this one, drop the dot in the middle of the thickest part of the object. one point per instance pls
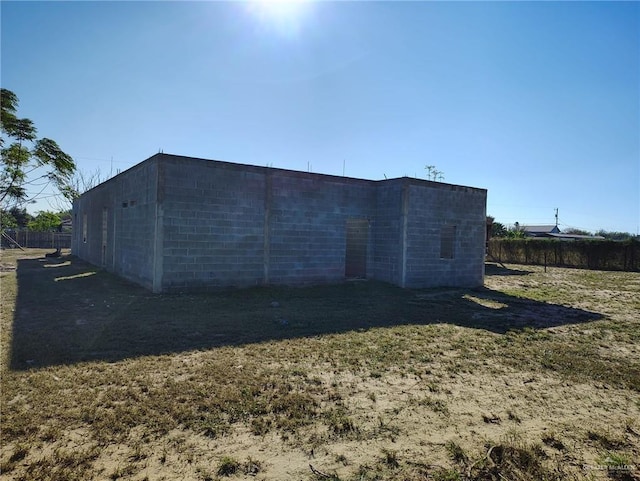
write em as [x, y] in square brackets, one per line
[390, 458]
[456, 452]
[228, 466]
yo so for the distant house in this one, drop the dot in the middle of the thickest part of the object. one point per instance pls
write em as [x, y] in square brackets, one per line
[552, 232]
[66, 225]
[576, 237]
[540, 230]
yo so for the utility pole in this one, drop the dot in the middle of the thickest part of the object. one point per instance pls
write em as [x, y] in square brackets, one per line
[556, 217]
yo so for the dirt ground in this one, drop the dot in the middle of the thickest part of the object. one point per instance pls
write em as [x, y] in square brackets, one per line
[534, 376]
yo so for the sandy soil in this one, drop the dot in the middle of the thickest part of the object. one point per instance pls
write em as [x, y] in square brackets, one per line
[406, 418]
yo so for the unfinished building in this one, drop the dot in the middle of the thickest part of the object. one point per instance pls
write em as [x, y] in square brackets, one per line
[179, 223]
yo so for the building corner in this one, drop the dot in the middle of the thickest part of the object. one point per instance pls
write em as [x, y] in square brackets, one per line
[158, 244]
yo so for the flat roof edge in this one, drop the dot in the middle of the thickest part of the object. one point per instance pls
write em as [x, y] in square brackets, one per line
[159, 157]
[258, 168]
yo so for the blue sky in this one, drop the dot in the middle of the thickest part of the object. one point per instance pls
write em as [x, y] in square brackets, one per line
[537, 102]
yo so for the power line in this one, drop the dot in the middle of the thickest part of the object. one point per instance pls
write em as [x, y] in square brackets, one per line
[97, 159]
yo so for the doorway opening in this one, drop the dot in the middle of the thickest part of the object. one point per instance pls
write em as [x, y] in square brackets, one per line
[356, 254]
[105, 215]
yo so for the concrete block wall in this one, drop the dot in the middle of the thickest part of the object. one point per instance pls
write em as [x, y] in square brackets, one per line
[430, 207]
[307, 225]
[213, 224]
[136, 229]
[120, 215]
[387, 232]
[87, 219]
[228, 224]
[176, 223]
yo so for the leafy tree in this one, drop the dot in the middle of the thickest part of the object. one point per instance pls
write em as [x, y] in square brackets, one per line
[7, 221]
[576, 232]
[516, 232]
[21, 216]
[433, 173]
[498, 230]
[618, 236]
[15, 217]
[28, 160]
[45, 221]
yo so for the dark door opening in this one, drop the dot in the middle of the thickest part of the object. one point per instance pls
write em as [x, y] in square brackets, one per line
[105, 215]
[356, 255]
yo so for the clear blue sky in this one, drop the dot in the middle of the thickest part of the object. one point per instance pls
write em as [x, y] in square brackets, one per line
[537, 102]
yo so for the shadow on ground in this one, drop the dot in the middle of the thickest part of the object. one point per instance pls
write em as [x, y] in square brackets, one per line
[497, 269]
[69, 312]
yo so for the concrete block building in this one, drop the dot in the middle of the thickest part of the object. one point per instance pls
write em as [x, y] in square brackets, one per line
[179, 223]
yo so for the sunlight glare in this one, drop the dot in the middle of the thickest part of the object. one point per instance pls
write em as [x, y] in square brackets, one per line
[283, 16]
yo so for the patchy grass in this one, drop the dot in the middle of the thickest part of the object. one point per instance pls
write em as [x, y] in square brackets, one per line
[535, 376]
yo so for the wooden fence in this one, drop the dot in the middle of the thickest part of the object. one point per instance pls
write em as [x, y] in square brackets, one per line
[42, 240]
[583, 254]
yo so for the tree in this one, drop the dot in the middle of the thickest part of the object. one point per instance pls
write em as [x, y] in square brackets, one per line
[78, 184]
[617, 236]
[575, 231]
[28, 160]
[498, 230]
[433, 173]
[516, 232]
[45, 221]
[21, 216]
[7, 221]
[15, 217]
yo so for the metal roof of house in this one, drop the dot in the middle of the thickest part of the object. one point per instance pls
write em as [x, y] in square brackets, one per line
[539, 228]
[576, 237]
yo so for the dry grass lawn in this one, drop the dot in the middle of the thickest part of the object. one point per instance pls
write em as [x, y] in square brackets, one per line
[536, 376]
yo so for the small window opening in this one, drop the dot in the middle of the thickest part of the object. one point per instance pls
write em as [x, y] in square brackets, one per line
[447, 241]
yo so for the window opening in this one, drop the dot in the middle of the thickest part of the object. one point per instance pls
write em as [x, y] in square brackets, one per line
[447, 241]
